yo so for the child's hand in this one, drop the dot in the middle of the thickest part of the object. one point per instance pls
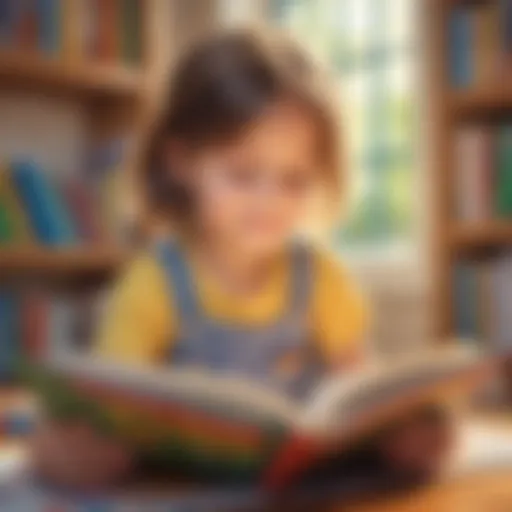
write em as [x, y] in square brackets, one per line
[75, 455]
[418, 446]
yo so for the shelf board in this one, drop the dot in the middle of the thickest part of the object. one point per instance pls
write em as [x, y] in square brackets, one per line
[481, 235]
[480, 100]
[59, 262]
[30, 71]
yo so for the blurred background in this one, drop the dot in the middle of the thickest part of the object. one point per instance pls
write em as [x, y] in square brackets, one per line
[424, 101]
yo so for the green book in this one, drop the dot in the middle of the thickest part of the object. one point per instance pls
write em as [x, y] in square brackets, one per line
[131, 23]
[7, 232]
[503, 179]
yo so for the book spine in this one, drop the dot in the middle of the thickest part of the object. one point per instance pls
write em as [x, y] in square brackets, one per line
[27, 26]
[49, 26]
[8, 13]
[465, 292]
[131, 31]
[48, 216]
[35, 326]
[487, 43]
[18, 218]
[80, 204]
[108, 39]
[472, 173]
[460, 47]
[10, 340]
[73, 26]
[503, 185]
[505, 7]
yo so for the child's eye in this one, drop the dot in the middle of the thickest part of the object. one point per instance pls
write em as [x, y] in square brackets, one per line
[296, 182]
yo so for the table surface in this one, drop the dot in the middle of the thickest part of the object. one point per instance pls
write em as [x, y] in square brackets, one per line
[483, 493]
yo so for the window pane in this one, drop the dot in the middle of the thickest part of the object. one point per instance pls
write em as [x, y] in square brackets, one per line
[367, 43]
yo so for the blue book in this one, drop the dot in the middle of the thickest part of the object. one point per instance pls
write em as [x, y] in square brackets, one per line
[8, 12]
[45, 208]
[10, 339]
[460, 47]
[48, 12]
[465, 292]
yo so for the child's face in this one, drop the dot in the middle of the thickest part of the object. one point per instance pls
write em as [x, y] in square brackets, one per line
[253, 193]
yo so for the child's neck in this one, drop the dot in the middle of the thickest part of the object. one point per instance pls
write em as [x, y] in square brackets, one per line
[236, 271]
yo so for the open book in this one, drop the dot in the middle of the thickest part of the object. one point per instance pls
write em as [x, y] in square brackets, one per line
[229, 428]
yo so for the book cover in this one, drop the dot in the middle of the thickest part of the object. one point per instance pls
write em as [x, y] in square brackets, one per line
[49, 218]
[460, 47]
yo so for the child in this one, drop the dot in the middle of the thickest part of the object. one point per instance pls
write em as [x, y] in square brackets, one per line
[246, 140]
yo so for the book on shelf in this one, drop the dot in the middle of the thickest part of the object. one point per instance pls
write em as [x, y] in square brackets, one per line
[87, 30]
[482, 293]
[229, 428]
[36, 323]
[45, 207]
[36, 207]
[483, 173]
[479, 43]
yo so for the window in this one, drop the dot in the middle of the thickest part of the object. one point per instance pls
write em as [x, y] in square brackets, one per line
[369, 45]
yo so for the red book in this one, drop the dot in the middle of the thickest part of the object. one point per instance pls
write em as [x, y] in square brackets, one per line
[107, 30]
[80, 204]
[35, 325]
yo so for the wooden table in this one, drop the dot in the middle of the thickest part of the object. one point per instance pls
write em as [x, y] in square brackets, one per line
[486, 493]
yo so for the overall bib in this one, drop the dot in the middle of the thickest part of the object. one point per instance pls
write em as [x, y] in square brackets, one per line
[254, 352]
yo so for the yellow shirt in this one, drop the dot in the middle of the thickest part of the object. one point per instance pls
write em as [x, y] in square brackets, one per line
[142, 322]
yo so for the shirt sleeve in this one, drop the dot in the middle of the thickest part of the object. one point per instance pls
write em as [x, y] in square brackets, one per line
[340, 315]
[138, 323]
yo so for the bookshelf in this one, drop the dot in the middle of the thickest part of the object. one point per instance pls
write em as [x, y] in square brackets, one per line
[81, 80]
[486, 103]
[118, 98]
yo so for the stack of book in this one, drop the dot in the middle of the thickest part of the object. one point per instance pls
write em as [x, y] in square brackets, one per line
[479, 43]
[483, 173]
[97, 30]
[482, 293]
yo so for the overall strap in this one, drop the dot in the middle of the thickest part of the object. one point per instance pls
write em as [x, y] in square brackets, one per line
[179, 278]
[301, 280]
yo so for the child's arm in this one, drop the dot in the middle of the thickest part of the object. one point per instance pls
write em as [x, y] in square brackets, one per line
[135, 330]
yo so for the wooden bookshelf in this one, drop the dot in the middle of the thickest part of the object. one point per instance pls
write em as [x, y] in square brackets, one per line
[32, 72]
[47, 262]
[481, 101]
[118, 100]
[450, 108]
[480, 235]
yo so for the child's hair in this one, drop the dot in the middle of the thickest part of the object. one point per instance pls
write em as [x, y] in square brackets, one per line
[221, 86]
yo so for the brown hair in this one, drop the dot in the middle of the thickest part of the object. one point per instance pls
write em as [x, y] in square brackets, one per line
[218, 88]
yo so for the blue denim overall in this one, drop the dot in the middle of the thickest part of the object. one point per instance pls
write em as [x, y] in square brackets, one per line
[254, 352]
